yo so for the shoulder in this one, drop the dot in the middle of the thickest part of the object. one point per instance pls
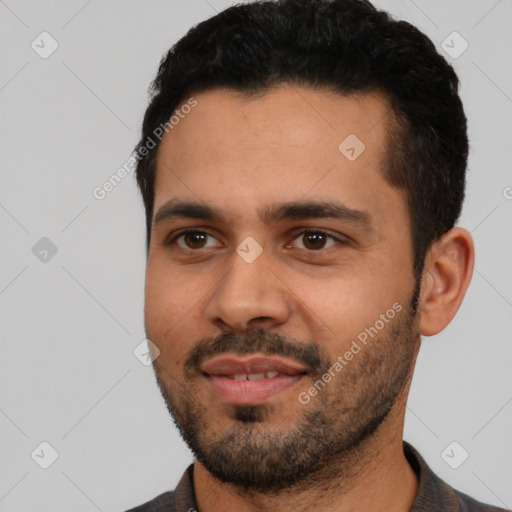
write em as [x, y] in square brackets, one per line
[165, 502]
[182, 498]
[466, 503]
[435, 494]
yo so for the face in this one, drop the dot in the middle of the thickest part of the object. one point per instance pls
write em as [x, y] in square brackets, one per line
[279, 282]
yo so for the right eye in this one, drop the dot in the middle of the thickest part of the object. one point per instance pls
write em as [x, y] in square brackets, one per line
[193, 239]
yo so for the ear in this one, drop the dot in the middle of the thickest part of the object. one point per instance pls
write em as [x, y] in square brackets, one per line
[445, 279]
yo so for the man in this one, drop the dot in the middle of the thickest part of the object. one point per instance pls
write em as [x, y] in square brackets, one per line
[302, 165]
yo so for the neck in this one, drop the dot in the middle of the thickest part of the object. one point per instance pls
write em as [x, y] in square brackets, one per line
[375, 477]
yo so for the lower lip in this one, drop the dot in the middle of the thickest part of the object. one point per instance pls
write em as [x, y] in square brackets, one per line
[250, 392]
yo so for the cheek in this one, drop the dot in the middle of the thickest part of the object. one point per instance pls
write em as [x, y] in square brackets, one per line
[174, 308]
[343, 305]
[166, 292]
[167, 306]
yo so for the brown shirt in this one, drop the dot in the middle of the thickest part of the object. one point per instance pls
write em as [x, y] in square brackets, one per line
[433, 494]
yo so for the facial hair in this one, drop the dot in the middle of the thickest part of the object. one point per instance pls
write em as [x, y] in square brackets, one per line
[343, 415]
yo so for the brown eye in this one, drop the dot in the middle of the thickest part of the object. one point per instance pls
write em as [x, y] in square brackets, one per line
[194, 240]
[314, 240]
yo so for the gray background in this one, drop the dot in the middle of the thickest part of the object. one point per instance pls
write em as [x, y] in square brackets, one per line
[70, 323]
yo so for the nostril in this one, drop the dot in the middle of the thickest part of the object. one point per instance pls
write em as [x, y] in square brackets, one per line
[261, 319]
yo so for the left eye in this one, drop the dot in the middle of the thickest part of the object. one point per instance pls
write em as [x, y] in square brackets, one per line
[314, 240]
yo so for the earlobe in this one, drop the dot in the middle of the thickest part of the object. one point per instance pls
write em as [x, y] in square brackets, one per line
[448, 271]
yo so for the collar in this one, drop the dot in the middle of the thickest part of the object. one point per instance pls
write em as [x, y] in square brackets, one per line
[433, 493]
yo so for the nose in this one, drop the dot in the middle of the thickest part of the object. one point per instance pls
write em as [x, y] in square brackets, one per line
[249, 296]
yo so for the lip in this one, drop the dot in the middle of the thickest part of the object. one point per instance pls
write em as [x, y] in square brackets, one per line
[232, 365]
[219, 374]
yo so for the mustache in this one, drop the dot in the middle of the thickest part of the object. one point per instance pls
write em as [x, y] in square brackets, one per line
[257, 340]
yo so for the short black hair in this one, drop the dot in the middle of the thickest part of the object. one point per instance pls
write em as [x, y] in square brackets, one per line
[350, 47]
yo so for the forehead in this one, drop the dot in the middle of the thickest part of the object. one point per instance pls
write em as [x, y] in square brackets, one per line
[289, 143]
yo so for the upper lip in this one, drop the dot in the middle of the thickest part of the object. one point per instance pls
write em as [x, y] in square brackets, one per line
[237, 365]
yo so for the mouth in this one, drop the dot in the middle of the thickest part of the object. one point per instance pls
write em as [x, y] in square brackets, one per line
[250, 380]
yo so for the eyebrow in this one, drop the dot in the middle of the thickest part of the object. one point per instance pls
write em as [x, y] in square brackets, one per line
[293, 210]
[188, 209]
[303, 210]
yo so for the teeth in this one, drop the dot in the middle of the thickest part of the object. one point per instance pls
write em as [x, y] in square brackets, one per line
[255, 376]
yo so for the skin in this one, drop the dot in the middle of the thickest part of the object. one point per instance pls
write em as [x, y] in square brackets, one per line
[240, 155]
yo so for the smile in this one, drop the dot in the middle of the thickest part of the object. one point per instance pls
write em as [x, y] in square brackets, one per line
[250, 380]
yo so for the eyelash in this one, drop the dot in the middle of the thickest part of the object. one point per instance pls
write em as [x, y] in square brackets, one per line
[341, 240]
[172, 239]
